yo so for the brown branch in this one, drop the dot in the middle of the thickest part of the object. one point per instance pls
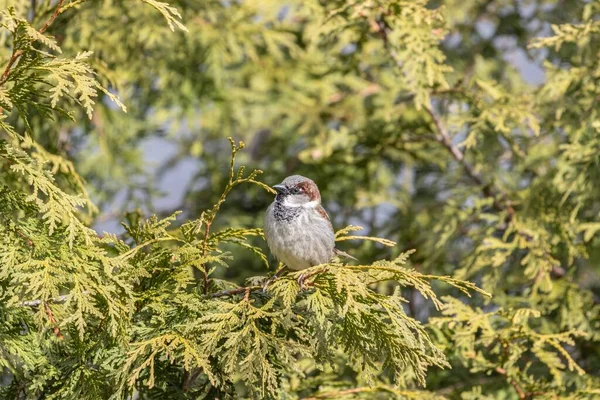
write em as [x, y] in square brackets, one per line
[189, 377]
[204, 250]
[463, 384]
[327, 395]
[231, 292]
[336, 394]
[442, 136]
[520, 392]
[501, 199]
[12, 60]
[24, 237]
[16, 54]
[55, 300]
[52, 17]
[53, 322]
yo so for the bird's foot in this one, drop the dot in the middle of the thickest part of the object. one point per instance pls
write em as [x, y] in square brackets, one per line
[301, 279]
[275, 276]
[268, 282]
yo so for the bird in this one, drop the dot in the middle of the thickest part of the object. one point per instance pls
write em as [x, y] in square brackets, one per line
[297, 228]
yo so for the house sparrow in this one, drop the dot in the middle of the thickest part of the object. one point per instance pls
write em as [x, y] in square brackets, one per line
[297, 228]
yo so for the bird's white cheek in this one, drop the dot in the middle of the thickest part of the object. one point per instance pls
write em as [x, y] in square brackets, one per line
[295, 201]
[311, 204]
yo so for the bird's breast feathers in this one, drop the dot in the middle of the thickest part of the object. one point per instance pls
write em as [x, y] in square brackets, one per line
[301, 241]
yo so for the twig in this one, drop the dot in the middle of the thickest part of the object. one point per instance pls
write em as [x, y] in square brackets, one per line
[520, 392]
[53, 322]
[370, 389]
[12, 60]
[463, 384]
[231, 292]
[204, 251]
[24, 237]
[327, 395]
[501, 200]
[208, 218]
[16, 54]
[442, 136]
[52, 17]
[55, 300]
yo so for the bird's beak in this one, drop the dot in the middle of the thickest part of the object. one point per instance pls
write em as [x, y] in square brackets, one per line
[279, 188]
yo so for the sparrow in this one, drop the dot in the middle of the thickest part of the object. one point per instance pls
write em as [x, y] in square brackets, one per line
[297, 228]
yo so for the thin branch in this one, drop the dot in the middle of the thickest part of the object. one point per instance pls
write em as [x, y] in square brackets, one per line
[443, 137]
[53, 321]
[24, 237]
[240, 290]
[52, 17]
[56, 300]
[16, 54]
[365, 389]
[501, 199]
[204, 251]
[520, 392]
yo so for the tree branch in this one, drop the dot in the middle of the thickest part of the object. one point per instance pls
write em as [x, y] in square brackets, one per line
[501, 199]
[53, 321]
[56, 300]
[16, 54]
[240, 290]
[442, 136]
[365, 389]
[520, 392]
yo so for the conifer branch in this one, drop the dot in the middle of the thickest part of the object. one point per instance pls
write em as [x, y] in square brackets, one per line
[500, 198]
[443, 137]
[336, 394]
[520, 392]
[16, 54]
[140, 312]
[231, 292]
[57, 331]
[56, 300]
[57, 11]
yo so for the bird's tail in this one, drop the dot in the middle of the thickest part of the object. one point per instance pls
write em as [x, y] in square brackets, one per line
[340, 253]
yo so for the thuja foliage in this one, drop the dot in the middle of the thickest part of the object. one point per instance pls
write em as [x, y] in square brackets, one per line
[466, 130]
[97, 317]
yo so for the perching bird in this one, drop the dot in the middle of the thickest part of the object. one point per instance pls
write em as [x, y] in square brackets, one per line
[297, 228]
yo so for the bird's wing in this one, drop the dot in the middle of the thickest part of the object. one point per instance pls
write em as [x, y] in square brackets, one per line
[340, 253]
[324, 214]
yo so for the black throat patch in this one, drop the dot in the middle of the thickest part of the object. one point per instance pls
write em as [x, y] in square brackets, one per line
[283, 213]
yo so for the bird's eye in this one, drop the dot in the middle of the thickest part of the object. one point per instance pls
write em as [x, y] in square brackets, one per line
[296, 190]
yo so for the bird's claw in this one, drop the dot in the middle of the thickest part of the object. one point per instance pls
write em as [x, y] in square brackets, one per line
[268, 282]
[301, 279]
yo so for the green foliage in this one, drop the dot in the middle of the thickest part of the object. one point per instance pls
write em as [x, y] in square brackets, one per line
[416, 122]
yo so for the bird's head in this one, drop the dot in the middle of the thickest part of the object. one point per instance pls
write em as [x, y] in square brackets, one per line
[298, 191]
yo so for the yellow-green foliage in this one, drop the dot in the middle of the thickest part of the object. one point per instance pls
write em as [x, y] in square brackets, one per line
[415, 124]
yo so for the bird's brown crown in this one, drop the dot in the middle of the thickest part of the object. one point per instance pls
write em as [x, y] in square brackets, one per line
[305, 185]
